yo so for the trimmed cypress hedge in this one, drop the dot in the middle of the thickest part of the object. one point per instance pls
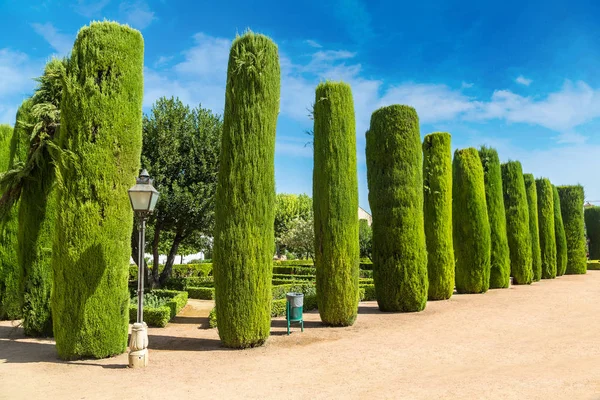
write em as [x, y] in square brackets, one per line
[6, 133]
[437, 179]
[471, 227]
[517, 223]
[593, 265]
[245, 200]
[592, 227]
[561, 239]
[545, 200]
[101, 124]
[500, 256]
[532, 201]
[395, 180]
[12, 272]
[571, 206]
[335, 204]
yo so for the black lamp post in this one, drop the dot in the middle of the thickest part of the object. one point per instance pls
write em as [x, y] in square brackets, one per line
[143, 197]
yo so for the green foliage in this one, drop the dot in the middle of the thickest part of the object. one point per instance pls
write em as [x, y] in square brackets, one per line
[367, 293]
[592, 227]
[532, 202]
[517, 223]
[11, 272]
[437, 188]
[395, 180]
[500, 256]
[593, 265]
[288, 209]
[335, 204]
[299, 263]
[101, 125]
[160, 306]
[365, 239]
[561, 239]
[37, 209]
[181, 152]
[545, 208]
[202, 293]
[300, 237]
[571, 206]
[471, 227]
[245, 202]
[294, 270]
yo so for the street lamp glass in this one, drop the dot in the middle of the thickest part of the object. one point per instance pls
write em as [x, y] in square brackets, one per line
[143, 195]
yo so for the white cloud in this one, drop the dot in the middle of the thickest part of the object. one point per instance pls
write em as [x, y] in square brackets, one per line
[17, 73]
[137, 13]
[523, 81]
[90, 8]
[312, 43]
[207, 59]
[60, 42]
[466, 85]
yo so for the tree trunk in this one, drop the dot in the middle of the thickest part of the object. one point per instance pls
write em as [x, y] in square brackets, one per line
[155, 254]
[181, 260]
[166, 273]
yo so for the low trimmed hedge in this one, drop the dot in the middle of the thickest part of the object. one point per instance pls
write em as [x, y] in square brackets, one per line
[367, 293]
[296, 277]
[366, 265]
[179, 270]
[201, 293]
[308, 289]
[184, 283]
[366, 273]
[159, 317]
[294, 270]
[593, 265]
[306, 263]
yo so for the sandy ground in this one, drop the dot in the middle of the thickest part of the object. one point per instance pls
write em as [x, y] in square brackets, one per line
[527, 342]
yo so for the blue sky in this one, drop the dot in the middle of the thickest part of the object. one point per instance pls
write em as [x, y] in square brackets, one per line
[519, 76]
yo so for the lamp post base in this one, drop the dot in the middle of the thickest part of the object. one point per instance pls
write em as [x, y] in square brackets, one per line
[138, 346]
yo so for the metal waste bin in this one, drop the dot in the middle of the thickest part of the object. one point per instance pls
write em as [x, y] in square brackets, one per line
[295, 303]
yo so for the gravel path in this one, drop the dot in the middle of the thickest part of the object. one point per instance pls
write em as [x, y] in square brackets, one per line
[526, 342]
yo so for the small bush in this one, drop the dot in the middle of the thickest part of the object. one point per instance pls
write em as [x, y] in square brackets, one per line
[367, 293]
[160, 306]
[296, 277]
[201, 293]
[179, 270]
[365, 273]
[298, 287]
[593, 265]
[293, 270]
[299, 263]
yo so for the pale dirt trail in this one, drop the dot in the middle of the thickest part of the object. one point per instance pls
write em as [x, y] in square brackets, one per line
[527, 342]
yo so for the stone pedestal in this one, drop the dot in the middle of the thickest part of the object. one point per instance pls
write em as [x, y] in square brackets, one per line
[138, 343]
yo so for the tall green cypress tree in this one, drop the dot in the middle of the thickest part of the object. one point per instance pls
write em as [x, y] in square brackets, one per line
[592, 227]
[437, 179]
[395, 179]
[532, 203]
[6, 133]
[37, 209]
[471, 227]
[517, 223]
[245, 200]
[12, 273]
[561, 239]
[101, 127]
[335, 204]
[500, 257]
[545, 198]
[571, 206]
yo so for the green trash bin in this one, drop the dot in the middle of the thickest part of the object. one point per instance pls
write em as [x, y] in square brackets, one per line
[295, 303]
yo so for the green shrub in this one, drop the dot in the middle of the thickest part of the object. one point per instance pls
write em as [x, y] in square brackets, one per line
[179, 270]
[295, 277]
[437, 179]
[294, 270]
[280, 291]
[593, 265]
[184, 283]
[212, 318]
[14, 147]
[160, 306]
[367, 293]
[571, 206]
[532, 202]
[545, 198]
[561, 239]
[365, 265]
[245, 200]
[299, 263]
[517, 223]
[471, 227]
[395, 180]
[592, 226]
[154, 317]
[335, 204]
[500, 257]
[102, 126]
[365, 273]
[201, 293]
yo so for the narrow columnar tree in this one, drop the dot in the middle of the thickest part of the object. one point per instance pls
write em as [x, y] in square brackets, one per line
[37, 209]
[11, 284]
[571, 206]
[532, 203]
[6, 133]
[500, 257]
[335, 204]
[395, 179]
[437, 189]
[471, 226]
[245, 199]
[101, 129]
[592, 227]
[561, 239]
[545, 200]
[517, 223]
